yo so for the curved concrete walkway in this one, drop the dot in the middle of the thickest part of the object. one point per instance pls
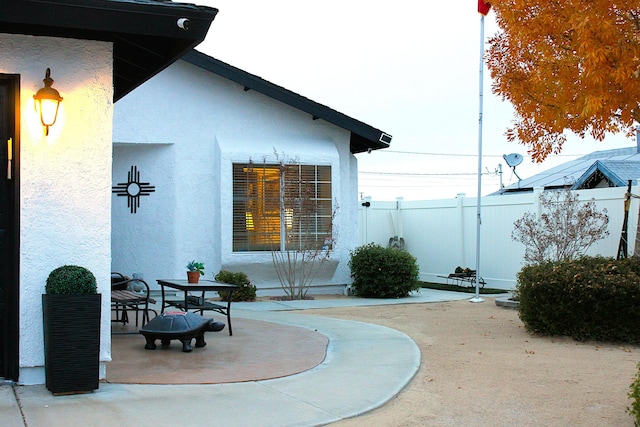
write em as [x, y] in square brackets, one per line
[366, 365]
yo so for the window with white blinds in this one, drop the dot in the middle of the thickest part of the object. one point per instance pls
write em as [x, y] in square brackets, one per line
[281, 207]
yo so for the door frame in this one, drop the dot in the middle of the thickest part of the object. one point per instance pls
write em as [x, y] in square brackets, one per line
[11, 344]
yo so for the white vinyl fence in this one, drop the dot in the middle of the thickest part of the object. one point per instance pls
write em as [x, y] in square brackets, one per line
[442, 234]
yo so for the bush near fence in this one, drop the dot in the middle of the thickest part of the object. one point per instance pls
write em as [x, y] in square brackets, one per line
[380, 272]
[590, 298]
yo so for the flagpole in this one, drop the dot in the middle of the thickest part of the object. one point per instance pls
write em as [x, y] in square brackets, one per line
[477, 298]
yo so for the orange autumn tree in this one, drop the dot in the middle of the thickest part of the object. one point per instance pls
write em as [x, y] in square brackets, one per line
[566, 65]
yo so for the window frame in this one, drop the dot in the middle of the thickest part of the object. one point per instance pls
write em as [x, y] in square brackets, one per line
[294, 219]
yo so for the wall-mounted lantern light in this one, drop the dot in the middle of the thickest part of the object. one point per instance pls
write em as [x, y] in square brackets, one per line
[47, 102]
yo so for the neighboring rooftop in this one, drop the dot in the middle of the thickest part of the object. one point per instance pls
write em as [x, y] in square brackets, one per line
[363, 136]
[145, 33]
[607, 168]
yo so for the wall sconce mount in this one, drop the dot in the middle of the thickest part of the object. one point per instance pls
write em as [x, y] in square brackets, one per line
[47, 102]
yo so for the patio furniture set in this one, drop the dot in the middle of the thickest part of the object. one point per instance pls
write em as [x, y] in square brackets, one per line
[183, 325]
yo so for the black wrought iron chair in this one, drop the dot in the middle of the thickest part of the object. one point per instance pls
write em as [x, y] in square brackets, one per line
[124, 301]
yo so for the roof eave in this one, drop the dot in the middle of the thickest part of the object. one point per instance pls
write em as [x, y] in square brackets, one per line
[101, 16]
[604, 170]
[145, 33]
[363, 136]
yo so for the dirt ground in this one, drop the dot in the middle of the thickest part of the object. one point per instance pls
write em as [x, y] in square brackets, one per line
[479, 367]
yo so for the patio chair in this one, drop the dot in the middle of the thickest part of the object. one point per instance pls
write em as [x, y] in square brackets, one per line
[124, 300]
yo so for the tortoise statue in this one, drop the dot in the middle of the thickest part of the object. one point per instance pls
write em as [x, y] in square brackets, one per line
[178, 325]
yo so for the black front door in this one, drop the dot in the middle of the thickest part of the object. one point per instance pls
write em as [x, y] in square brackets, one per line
[9, 216]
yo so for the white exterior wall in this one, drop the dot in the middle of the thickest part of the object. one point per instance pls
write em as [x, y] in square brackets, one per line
[441, 234]
[184, 129]
[65, 178]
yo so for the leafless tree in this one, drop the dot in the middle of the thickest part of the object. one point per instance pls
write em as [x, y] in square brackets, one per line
[565, 229]
[305, 240]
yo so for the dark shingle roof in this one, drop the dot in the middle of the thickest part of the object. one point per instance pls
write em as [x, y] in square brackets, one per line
[363, 136]
[144, 33]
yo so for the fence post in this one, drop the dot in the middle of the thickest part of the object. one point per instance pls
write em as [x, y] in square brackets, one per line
[365, 219]
[635, 211]
[460, 214]
[537, 192]
[399, 224]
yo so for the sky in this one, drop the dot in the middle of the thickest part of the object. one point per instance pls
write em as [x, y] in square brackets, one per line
[408, 68]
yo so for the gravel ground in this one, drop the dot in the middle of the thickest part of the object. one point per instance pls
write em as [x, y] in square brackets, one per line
[481, 368]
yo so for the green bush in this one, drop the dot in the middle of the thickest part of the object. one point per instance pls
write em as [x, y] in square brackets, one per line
[588, 298]
[71, 279]
[246, 291]
[383, 272]
[634, 394]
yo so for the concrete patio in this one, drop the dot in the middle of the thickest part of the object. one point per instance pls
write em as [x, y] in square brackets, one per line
[365, 366]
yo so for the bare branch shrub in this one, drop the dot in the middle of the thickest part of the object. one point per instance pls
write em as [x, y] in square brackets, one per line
[305, 229]
[564, 231]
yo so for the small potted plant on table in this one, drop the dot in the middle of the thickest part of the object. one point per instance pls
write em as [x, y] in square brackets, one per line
[194, 271]
[71, 310]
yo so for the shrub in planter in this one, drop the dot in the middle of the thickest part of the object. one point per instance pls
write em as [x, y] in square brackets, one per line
[71, 279]
[71, 315]
[246, 291]
[381, 272]
[588, 298]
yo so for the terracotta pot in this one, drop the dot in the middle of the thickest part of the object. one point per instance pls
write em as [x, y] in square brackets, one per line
[193, 276]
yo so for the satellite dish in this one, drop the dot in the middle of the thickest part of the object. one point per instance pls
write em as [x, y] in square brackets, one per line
[513, 160]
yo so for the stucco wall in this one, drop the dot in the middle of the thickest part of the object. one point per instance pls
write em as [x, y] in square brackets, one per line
[65, 178]
[183, 129]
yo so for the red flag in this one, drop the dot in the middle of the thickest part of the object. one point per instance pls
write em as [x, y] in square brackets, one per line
[483, 7]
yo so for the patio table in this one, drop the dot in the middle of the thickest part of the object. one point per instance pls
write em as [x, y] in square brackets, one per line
[198, 303]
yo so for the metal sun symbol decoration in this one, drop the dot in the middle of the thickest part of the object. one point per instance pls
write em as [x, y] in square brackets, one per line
[133, 189]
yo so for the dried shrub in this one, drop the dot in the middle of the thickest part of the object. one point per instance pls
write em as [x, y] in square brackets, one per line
[565, 230]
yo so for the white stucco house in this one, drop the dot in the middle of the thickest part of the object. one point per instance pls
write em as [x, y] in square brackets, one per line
[55, 188]
[203, 139]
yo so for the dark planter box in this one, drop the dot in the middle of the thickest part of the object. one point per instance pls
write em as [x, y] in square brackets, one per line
[71, 342]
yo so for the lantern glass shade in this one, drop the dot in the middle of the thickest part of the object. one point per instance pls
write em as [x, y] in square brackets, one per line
[47, 102]
[48, 111]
